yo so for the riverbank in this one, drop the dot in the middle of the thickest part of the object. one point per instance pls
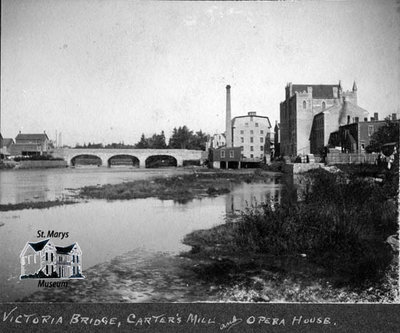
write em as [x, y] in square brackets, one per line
[35, 205]
[254, 277]
[32, 164]
[201, 183]
[331, 246]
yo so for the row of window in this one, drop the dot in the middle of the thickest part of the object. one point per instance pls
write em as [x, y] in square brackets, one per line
[252, 156]
[251, 140]
[60, 257]
[74, 270]
[323, 105]
[252, 148]
[231, 153]
[251, 131]
[247, 124]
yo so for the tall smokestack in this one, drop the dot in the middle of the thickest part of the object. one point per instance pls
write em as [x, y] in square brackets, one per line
[228, 117]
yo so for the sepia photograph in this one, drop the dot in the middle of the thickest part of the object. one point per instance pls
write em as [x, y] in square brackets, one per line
[199, 152]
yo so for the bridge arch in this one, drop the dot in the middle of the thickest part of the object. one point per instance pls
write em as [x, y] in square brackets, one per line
[123, 159]
[86, 159]
[160, 161]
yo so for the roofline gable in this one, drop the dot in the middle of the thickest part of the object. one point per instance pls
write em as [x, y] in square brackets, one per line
[257, 116]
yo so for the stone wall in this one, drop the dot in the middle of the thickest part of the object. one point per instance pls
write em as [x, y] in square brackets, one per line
[296, 168]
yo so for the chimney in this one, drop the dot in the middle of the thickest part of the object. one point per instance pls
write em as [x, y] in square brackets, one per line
[394, 116]
[356, 119]
[335, 92]
[228, 117]
[376, 116]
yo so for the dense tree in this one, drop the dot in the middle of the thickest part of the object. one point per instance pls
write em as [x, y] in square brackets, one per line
[120, 145]
[95, 145]
[389, 133]
[199, 140]
[90, 145]
[143, 143]
[183, 138]
[157, 141]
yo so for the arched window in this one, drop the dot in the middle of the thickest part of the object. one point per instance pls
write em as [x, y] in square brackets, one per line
[304, 104]
[323, 105]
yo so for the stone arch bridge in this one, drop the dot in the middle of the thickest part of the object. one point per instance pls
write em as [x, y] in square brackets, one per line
[180, 155]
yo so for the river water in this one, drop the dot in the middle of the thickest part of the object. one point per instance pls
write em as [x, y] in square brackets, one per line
[105, 230]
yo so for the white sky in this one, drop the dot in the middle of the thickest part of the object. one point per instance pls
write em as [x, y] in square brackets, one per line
[106, 71]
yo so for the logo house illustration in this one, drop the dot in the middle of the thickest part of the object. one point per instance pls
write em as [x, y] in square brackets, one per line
[45, 260]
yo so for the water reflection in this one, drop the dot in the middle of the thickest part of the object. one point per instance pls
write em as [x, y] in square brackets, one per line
[104, 229]
[252, 195]
[18, 186]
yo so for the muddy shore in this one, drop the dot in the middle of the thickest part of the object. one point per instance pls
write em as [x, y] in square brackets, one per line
[35, 205]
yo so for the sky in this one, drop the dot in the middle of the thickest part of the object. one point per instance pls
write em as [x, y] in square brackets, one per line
[108, 71]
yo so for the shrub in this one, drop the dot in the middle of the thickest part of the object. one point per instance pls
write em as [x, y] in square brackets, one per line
[341, 224]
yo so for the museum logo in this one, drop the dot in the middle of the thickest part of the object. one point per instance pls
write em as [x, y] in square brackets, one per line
[42, 260]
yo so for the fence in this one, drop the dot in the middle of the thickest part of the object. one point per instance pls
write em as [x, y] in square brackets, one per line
[343, 158]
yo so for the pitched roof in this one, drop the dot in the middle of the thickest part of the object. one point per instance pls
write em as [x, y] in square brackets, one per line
[349, 108]
[7, 141]
[344, 109]
[318, 90]
[335, 107]
[39, 245]
[248, 116]
[42, 136]
[65, 250]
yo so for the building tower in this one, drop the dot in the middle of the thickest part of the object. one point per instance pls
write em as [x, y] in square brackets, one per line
[228, 117]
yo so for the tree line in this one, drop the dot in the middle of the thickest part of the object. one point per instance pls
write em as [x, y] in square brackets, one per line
[181, 138]
[389, 133]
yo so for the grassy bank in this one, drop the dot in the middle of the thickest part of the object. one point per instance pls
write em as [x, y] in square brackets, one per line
[35, 205]
[335, 237]
[180, 188]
